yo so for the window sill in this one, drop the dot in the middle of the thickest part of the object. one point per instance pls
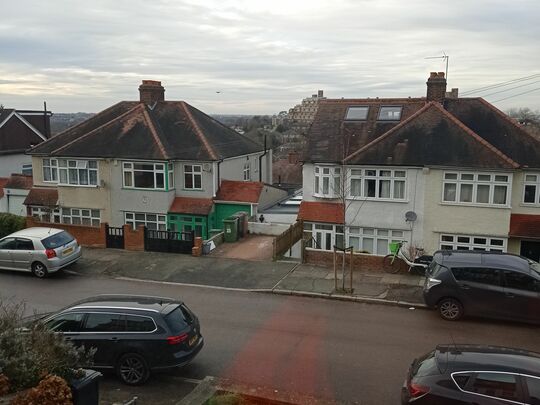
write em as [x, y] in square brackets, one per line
[529, 205]
[455, 204]
[78, 185]
[192, 189]
[145, 189]
[327, 196]
[374, 199]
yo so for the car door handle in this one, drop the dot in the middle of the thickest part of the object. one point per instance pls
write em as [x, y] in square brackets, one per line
[114, 339]
[465, 286]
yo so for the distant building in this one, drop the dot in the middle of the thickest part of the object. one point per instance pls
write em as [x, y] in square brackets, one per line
[303, 114]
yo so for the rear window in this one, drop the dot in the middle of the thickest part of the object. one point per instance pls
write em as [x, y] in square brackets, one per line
[136, 323]
[178, 319]
[426, 365]
[57, 240]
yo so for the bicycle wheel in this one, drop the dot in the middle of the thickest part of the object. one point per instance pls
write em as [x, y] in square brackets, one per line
[391, 264]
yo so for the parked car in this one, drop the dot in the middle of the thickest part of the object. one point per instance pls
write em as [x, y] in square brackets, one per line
[467, 374]
[39, 250]
[497, 285]
[133, 335]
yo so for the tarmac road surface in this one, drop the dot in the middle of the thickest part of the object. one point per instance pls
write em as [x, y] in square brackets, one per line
[333, 350]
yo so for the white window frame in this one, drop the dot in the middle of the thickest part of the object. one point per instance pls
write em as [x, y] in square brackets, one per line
[130, 218]
[536, 184]
[77, 216]
[247, 171]
[51, 166]
[170, 170]
[366, 174]
[395, 113]
[128, 172]
[327, 178]
[449, 241]
[376, 235]
[325, 230]
[357, 108]
[193, 173]
[478, 180]
[68, 166]
[44, 214]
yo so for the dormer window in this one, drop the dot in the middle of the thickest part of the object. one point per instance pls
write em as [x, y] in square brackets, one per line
[357, 113]
[390, 113]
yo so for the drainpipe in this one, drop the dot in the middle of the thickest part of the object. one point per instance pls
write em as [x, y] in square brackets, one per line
[218, 176]
[260, 160]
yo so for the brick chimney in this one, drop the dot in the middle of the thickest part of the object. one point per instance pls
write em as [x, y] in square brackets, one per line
[151, 91]
[293, 157]
[436, 87]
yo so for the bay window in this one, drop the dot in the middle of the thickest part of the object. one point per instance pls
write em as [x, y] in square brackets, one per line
[383, 184]
[476, 188]
[151, 221]
[327, 181]
[371, 240]
[144, 175]
[472, 242]
[50, 170]
[77, 172]
[531, 189]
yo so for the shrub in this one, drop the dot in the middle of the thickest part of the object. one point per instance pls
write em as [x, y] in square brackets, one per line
[27, 354]
[10, 223]
[51, 390]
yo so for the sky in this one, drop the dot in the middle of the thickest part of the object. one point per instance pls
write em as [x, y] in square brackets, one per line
[262, 57]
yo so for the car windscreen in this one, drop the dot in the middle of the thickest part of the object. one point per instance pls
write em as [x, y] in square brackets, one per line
[177, 319]
[535, 266]
[57, 240]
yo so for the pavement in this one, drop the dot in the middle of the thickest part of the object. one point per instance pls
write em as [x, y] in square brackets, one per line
[281, 277]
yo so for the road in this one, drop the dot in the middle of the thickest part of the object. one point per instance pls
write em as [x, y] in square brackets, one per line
[333, 350]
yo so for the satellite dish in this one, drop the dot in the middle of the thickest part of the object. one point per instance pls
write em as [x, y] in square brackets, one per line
[410, 216]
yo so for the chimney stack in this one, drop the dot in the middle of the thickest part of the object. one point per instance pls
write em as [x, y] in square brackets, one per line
[151, 91]
[436, 87]
[320, 94]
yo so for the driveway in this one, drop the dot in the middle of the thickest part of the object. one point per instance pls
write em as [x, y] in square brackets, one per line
[251, 247]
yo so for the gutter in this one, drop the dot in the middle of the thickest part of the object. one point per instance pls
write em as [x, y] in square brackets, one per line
[260, 160]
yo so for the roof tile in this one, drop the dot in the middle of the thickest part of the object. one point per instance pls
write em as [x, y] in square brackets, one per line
[524, 226]
[315, 211]
[45, 197]
[242, 191]
[194, 206]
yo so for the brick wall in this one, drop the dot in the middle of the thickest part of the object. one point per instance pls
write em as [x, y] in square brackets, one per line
[86, 235]
[361, 261]
[134, 239]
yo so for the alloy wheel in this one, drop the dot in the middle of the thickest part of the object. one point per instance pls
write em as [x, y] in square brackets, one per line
[132, 370]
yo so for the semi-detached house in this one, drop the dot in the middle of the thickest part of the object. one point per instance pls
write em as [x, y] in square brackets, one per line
[469, 173]
[150, 162]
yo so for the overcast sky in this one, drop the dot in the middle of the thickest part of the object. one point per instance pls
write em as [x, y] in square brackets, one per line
[261, 56]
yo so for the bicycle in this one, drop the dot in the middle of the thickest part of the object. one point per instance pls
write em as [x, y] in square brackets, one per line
[392, 262]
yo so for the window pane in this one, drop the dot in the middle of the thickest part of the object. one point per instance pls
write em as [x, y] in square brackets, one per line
[530, 193]
[399, 173]
[83, 176]
[482, 194]
[73, 178]
[337, 186]
[198, 179]
[498, 385]
[385, 173]
[104, 323]
[533, 385]
[497, 242]
[93, 177]
[450, 176]
[484, 177]
[95, 213]
[520, 281]
[197, 169]
[399, 189]
[339, 241]
[188, 180]
[369, 188]
[316, 184]
[326, 170]
[141, 166]
[480, 241]
[144, 179]
[160, 180]
[140, 217]
[397, 234]
[139, 324]
[63, 176]
[356, 185]
[499, 195]
[382, 246]
[367, 245]
[467, 176]
[86, 221]
[384, 189]
[326, 182]
[463, 239]
[390, 113]
[151, 217]
[328, 241]
[354, 241]
[501, 178]
[66, 323]
[449, 192]
[368, 231]
[465, 193]
[382, 232]
[357, 113]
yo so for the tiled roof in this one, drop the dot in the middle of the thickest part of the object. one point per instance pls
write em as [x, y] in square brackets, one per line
[314, 211]
[525, 226]
[134, 130]
[3, 181]
[242, 191]
[18, 132]
[20, 181]
[194, 206]
[45, 197]
[462, 132]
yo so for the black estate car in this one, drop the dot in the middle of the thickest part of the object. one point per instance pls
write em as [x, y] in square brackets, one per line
[467, 375]
[490, 284]
[133, 335]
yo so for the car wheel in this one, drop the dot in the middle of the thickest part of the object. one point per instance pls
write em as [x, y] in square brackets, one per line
[39, 270]
[450, 309]
[132, 369]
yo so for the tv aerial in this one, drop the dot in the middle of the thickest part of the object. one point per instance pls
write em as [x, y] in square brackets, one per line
[444, 57]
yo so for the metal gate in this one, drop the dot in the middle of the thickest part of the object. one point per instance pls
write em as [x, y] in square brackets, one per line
[114, 237]
[168, 241]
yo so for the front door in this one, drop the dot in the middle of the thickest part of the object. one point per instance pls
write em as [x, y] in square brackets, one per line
[530, 249]
[7, 245]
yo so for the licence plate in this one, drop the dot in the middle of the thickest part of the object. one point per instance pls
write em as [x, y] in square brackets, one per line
[67, 251]
[193, 340]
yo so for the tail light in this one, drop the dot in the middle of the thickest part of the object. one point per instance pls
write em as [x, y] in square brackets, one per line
[50, 253]
[416, 390]
[175, 340]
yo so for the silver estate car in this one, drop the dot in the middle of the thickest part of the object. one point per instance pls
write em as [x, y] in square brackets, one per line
[39, 250]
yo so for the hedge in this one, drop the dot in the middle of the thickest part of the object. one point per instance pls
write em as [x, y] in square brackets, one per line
[10, 223]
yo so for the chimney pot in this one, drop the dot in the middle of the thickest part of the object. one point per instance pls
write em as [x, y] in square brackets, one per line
[151, 91]
[436, 87]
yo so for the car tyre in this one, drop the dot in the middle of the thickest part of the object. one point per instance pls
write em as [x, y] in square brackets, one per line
[132, 369]
[39, 270]
[450, 309]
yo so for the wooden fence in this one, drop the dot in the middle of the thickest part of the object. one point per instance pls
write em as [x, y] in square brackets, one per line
[287, 239]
